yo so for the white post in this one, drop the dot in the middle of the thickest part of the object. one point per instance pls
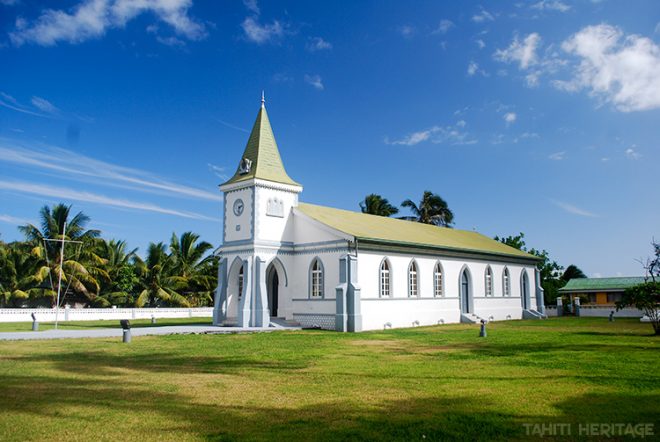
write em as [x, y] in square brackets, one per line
[59, 283]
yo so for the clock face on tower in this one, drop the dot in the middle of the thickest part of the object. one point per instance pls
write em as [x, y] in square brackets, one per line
[238, 207]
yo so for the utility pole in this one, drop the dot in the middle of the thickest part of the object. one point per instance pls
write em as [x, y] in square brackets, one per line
[59, 282]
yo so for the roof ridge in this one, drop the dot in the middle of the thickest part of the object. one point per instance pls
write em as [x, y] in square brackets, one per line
[261, 158]
[393, 230]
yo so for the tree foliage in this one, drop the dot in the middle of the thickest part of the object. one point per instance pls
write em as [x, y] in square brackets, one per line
[100, 272]
[374, 204]
[645, 297]
[432, 209]
[550, 271]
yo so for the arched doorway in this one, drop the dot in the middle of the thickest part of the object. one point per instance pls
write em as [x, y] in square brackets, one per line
[524, 290]
[273, 288]
[465, 292]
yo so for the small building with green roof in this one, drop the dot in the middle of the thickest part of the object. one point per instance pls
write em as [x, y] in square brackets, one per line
[285, 260]
[600, 291]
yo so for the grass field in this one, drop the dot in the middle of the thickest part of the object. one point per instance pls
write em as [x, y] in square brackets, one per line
[416, 384]
[106, 323]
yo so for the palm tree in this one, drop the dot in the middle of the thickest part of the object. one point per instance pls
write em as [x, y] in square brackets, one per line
[19, 279]
[117, 272]
[374, 204]
[75, 273]
[198, 271]
[432, 209]
[572, 272]
[159, 283]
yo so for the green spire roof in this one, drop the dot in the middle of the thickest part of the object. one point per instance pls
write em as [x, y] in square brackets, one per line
[262, 153]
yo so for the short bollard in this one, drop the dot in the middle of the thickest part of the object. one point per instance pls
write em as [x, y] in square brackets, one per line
[153, 319]
[482, 333]
[612, 316]
[35, 324]
[126, 328]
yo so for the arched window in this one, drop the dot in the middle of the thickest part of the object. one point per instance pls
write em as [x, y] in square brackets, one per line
[489, 281]
[316, 279]
[412, 280]
[506, 282]
[385, 279]
[437, 280]
[240, 283]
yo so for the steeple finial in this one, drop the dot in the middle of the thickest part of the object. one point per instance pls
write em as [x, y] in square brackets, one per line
[263, 99]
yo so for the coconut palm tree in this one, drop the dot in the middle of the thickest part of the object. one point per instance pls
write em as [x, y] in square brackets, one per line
[572, 272]
[196, 269]
[75, 274]
[160, 284]
[117, 272]
[374, 204]
[20, 280]
[432, 209]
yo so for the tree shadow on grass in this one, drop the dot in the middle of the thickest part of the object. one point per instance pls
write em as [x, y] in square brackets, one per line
[146, 413]
[107, 364]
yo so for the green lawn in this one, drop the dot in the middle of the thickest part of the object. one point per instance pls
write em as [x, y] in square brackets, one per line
[107, 323]
[417, 384]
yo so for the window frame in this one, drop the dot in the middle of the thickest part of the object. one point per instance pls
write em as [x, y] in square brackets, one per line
[385, 292]
[413, 279]
[438, 286]
[316, 279]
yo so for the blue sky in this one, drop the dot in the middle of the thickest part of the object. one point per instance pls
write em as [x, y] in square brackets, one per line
[539, 117]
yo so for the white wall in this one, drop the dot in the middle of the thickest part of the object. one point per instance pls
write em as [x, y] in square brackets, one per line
[401, 311]
[93, 314]
[272, 228]
[244, 222]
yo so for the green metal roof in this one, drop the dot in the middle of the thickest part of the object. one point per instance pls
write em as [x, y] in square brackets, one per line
[407, 233]
[596, 284]
[262, 150]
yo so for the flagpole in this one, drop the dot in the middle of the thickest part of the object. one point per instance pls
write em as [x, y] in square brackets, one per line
[59, 282]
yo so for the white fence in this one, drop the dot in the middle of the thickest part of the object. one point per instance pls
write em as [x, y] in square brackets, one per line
[94, 314]
[599, 311]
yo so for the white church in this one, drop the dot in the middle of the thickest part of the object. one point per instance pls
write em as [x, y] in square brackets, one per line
[348, 271]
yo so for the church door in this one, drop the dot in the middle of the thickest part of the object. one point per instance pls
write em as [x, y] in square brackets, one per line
[465, 292]
[273, 288]
[524, 289]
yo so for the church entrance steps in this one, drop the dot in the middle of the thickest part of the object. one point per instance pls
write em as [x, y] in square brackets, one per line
[470, 318]
[533, 314]
[283, 323]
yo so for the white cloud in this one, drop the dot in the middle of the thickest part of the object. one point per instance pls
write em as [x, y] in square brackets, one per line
[551, 5]
[461, 123]
[232, 126]
[437, 135]
[573, 209]
[480, 43]
[220, 172]
[657, 28]
[622, 70]
[11, 103]
[76, 195]
[510, 118]
[13, 220]
[315, 81]
[76, 166]
[472, 69]
[406, 31]
[523, 52]
[443, 27]
[632, 154]
[317, 44]
[92, 18]
[252, 5]
[44, 105]
[260, 34]
[482, 16]
[557, 156]
[596, 275]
